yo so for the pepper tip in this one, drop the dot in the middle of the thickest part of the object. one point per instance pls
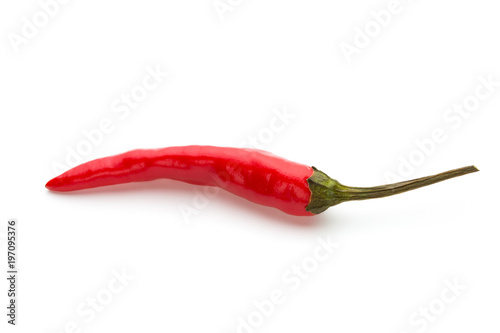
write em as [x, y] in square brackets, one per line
[51, 184]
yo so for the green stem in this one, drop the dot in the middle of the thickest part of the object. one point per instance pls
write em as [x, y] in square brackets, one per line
[327, 192]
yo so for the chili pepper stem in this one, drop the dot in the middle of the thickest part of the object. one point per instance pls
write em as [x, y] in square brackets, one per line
[329, 192]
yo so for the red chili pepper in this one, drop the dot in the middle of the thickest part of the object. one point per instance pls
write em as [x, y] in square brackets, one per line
[256, 175]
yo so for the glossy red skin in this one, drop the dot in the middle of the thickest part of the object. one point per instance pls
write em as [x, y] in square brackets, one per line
[255, 175]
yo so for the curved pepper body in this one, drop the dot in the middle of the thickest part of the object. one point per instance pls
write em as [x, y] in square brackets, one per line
[255, 175]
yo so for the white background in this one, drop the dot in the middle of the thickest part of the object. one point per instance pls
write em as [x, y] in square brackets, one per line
[227, 77]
